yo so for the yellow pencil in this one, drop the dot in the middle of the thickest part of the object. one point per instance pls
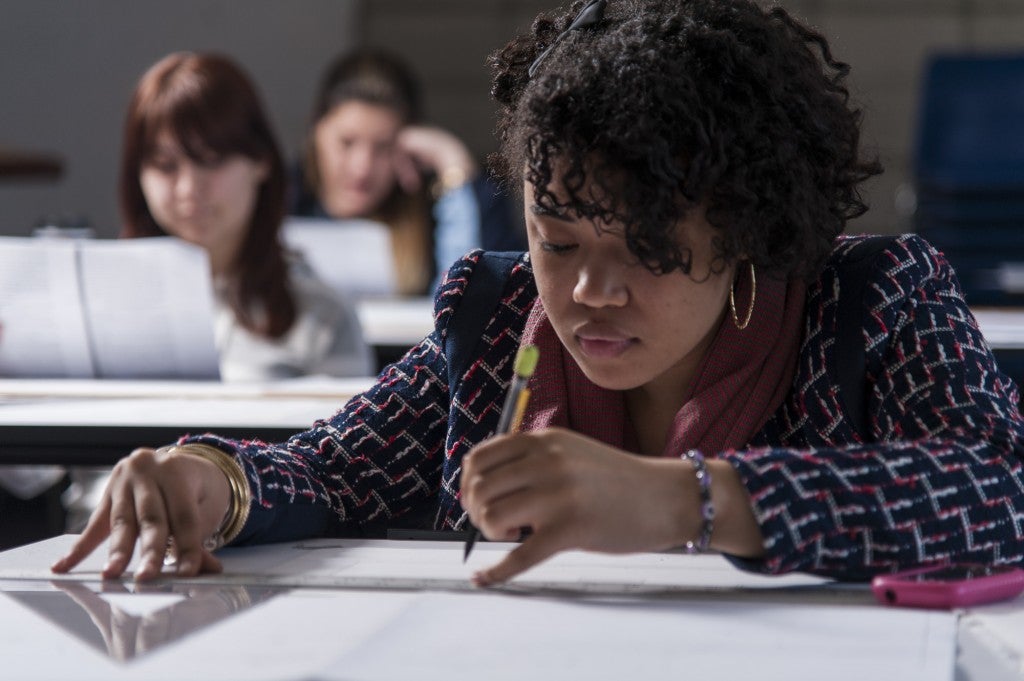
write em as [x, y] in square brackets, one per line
[511, 414]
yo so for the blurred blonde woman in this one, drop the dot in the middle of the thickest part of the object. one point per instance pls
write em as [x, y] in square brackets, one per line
[368, 156]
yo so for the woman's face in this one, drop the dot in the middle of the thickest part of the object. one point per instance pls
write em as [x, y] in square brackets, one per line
[355, 147]
[207, 203]
[625, 326]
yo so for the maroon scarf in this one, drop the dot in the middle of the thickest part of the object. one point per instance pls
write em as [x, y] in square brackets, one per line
[739, 384]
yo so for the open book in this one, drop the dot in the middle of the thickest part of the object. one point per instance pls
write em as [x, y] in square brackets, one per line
[133, 308]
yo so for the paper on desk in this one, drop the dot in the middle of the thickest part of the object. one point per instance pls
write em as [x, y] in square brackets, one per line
[125, 308]
[998, 629]
[353, 256]
[44, 328]
[344, 563]
[597, 628]
[615, 639]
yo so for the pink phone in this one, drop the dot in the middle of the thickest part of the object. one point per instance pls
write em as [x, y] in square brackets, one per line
[949, 586]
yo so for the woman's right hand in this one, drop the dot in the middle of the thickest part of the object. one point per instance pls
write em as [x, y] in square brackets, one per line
[154, 496]
[429, 149]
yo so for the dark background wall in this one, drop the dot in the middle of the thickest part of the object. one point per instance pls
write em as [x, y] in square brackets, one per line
[66, 69]
[885, 41]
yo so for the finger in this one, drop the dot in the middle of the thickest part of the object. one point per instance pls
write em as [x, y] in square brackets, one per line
[95, 532]
[184, 523]
[407, 173]
[534, 507]
[497, 451]
[485, 460]
[151, 512]
[507, 478]
[536, 548]
[209, 563]
[124, 530]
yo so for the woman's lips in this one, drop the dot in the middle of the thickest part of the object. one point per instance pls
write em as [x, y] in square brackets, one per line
[604, 348]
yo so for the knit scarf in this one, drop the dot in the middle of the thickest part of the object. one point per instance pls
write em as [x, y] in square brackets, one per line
[741, 381]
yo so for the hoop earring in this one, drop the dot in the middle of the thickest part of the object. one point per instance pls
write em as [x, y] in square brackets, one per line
[732, 300]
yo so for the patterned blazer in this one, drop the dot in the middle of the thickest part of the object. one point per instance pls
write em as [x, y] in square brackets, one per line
[939, 479]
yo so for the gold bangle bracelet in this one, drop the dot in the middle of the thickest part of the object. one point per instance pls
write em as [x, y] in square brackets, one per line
[241, 497]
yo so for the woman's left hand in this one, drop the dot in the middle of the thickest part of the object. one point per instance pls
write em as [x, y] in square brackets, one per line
[574, 492]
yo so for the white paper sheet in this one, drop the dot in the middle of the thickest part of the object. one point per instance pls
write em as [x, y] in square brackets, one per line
[149, 303]
[44, 328]
[353, 256]
[500, 637]
[716, 627]
[995, 633]
[382, 564]
[105, 308]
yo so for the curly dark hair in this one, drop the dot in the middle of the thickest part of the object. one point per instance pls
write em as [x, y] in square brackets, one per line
[667, 105]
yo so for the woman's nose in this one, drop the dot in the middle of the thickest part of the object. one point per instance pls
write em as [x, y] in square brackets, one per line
[360, 161]
[190, 181]
[601, 285]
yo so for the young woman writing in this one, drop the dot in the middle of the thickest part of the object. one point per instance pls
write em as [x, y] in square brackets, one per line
[687, 169]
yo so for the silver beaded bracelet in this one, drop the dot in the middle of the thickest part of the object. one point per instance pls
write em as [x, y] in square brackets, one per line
[707, 508]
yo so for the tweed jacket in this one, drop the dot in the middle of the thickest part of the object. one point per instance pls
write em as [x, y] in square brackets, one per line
[938, 479]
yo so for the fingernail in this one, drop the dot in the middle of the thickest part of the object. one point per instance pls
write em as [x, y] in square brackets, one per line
[186, 567]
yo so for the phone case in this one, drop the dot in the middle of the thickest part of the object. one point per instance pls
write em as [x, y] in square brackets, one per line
[931, 587]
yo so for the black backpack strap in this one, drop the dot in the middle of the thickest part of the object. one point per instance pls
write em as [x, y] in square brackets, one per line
[479, 300]
[850, 365]
[465, 331]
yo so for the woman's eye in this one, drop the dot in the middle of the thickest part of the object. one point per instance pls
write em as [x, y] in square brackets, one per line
[213, 162]
[163, 166]
[559, 249]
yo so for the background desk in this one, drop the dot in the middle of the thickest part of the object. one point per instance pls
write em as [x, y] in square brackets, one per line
[392, 326]
[1003, 328]
[396, 321]
[83, 422]
[319, 610]
[405, 321]
[97, 422]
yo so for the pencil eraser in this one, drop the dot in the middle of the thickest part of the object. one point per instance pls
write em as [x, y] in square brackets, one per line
[526, 361]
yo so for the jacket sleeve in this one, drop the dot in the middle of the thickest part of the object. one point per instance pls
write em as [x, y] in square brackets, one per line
[373, 460]
[942, 480]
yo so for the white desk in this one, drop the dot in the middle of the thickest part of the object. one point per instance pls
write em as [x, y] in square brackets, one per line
[404, 322]
[1003, 328]
[96, 422]
[308, 610]
[396, 322]
[65, 421]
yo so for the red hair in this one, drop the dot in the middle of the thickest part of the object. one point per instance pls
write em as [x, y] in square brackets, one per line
[211, 108]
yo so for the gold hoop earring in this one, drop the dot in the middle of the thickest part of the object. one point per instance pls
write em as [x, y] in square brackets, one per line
[732, 300]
